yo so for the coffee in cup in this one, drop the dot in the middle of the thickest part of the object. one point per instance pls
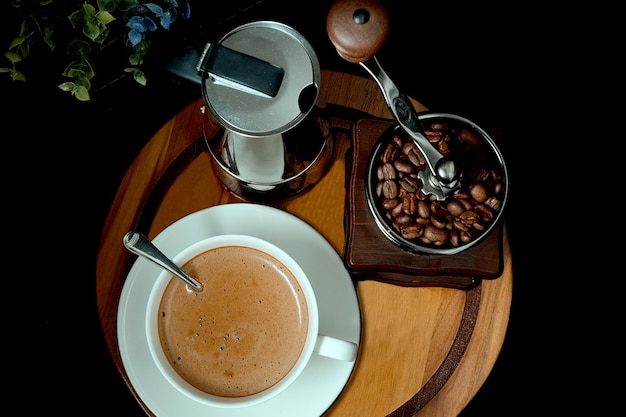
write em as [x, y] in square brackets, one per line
[251, 330]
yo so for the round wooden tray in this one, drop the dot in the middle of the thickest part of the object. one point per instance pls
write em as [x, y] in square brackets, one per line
[425, 350]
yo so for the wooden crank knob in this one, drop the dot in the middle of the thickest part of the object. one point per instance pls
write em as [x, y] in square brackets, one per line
[357, 28]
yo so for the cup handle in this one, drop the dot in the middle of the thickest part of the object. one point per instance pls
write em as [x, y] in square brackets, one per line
[333, 348]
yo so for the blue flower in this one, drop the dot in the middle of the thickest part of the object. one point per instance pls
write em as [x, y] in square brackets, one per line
[167, 16]
[138, 25]
[155, 8]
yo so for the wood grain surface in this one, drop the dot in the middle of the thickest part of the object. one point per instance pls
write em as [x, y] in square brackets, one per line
[424, 351]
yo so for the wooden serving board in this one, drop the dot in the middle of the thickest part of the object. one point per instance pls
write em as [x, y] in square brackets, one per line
[425, 350]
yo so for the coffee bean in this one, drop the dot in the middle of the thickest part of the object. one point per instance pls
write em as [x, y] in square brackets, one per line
[409, 184]
[411, 231]
[409, 204]
[386, 172]
[469, 217]
[466, 236]
[397, 210]
[479, 192]
[404, 166]
[459, 225]
[433, 135]
[438, 222]
[390, 189]
[437, 208]
[389, 154]
[455, 207]
[486, 213]
[390, 203]
[436, 235]
[469, 136]
[454, 238]
[423, 209]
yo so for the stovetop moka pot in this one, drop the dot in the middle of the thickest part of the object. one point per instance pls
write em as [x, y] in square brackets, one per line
[261, 82]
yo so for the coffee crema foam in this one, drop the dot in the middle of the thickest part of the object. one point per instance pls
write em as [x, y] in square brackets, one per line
[244, 332]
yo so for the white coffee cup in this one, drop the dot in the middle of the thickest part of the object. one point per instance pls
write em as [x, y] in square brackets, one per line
[314, 343]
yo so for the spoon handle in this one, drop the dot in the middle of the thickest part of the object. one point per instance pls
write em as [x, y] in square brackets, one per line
[139, 244]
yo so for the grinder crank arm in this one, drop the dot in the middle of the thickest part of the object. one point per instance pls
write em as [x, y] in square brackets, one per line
[358, 29]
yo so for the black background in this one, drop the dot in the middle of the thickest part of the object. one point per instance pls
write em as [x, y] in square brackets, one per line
[64, 160]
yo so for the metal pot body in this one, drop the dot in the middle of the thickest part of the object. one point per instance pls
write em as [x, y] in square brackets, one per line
[272, 145]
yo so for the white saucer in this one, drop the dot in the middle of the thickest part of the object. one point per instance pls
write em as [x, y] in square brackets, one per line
[323, 379]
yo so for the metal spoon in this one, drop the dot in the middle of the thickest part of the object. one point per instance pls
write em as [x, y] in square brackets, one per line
[358, 29]
[139, 244]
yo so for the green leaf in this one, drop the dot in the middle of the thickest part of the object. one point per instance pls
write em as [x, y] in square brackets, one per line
[103, 35]
[77, 19]
[91, 30]
[48, 32]
[13, 57]
[89, 71]
[18, 76]
[74, 72]
[80, 68]
[79, 47]
[108, 5]
[90, 11]
[135, 59]
[17, 41]
[142, 47]
[104, 17]
[24, 28]
[81, 93]
[140, 77]
[15, 75]
[66, 86]
[23, 50]
[83, 82]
